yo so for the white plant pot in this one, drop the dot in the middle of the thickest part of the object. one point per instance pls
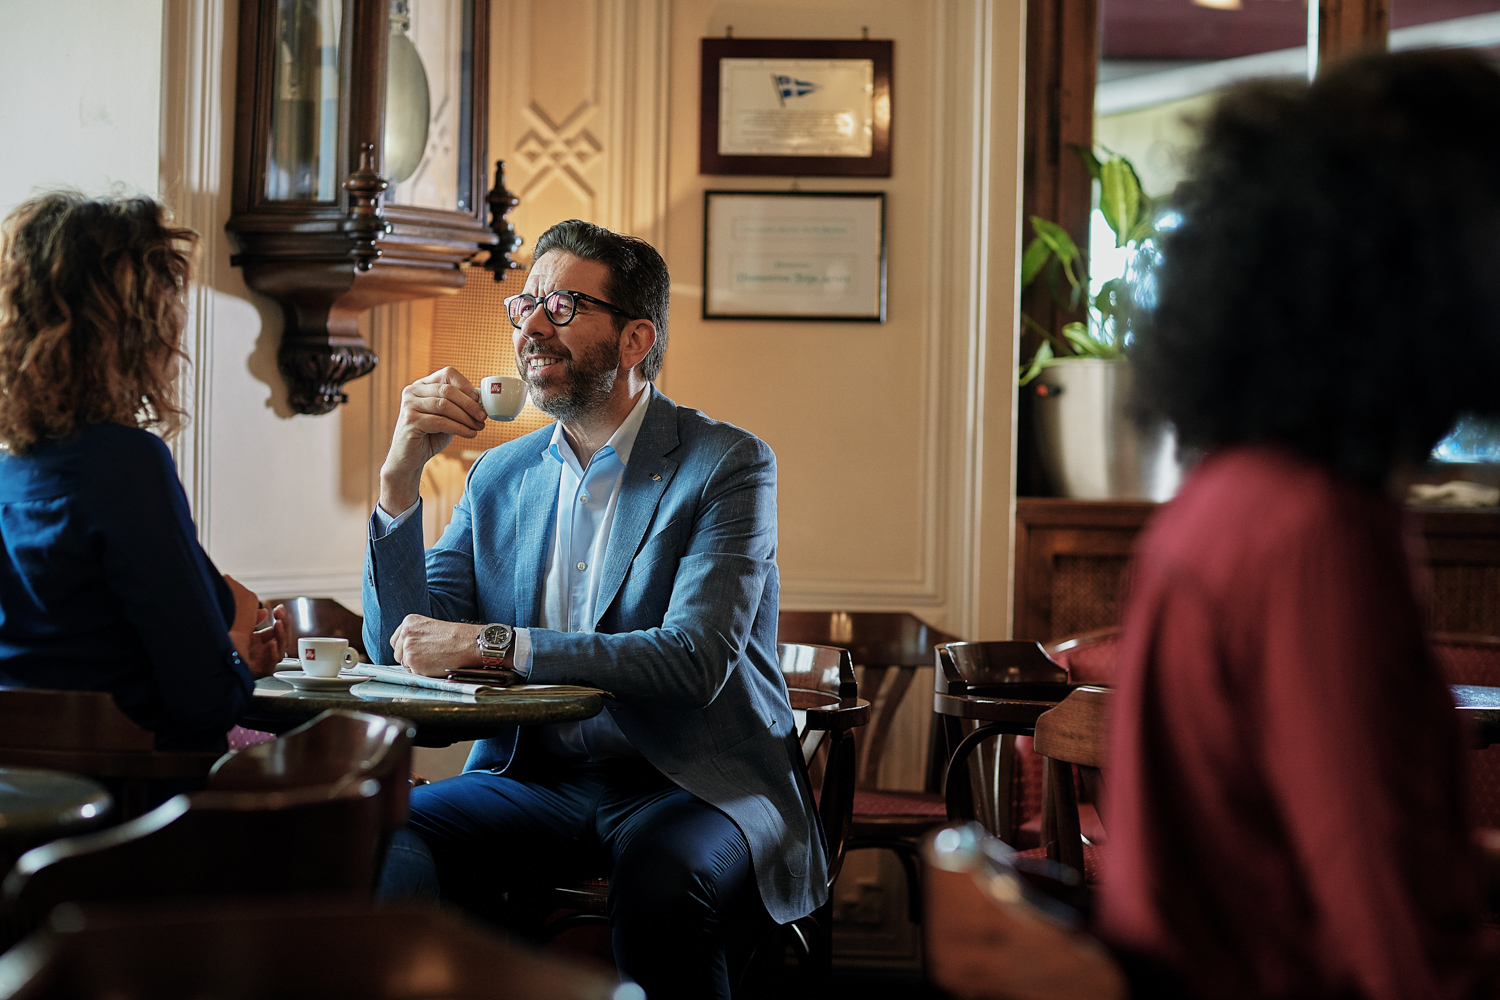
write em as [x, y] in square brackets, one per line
[1091, 447]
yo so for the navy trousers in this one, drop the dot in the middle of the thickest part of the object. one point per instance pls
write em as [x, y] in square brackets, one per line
[680, 875]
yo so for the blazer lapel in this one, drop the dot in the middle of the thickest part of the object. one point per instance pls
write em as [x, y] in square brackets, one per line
[536, 507]
[645, 480]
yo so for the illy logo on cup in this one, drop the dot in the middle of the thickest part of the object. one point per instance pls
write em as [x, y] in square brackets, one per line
[497, 388]
[309, 653]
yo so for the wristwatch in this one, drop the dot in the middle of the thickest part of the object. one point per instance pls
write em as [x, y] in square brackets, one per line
[494, 644]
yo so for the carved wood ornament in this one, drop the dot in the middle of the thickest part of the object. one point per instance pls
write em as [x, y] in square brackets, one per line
[321, 222]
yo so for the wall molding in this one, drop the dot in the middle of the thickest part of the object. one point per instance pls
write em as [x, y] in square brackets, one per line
[192, 136]
[968, 335]
[635, 80]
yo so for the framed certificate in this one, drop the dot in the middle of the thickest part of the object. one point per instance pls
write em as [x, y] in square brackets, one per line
[798, 255]
[801, 107]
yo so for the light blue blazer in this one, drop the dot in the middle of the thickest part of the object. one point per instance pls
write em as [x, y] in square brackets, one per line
[685, 624]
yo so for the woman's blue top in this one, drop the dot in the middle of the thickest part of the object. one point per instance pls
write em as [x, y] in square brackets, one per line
[104, 587]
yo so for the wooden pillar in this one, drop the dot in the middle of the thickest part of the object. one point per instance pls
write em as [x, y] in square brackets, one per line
[1062, 67]
[1348, 27]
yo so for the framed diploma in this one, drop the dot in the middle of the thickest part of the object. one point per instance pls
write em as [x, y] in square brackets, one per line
[801, 107]
[799, 255]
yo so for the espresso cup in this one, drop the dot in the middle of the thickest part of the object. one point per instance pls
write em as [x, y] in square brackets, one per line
[323, 657]
[503, 396]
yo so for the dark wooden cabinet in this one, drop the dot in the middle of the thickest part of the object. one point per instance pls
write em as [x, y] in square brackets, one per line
[1073, 557]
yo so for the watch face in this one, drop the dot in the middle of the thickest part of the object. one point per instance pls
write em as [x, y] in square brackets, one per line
[497, 636]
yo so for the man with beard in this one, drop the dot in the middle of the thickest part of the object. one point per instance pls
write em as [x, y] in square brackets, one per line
[630, 546]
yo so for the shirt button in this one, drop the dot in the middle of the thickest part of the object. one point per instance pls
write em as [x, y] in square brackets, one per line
[584, 498]
[582, 566]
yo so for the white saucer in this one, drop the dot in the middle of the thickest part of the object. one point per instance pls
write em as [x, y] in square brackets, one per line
[303, 682]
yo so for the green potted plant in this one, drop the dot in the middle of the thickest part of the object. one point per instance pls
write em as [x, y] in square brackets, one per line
[1090, 446]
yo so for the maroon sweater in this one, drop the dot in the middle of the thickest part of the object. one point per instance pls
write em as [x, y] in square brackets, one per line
[1286, 806]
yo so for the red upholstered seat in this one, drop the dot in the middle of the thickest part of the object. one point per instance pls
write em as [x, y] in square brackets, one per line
[1090, 657]
[885, 803]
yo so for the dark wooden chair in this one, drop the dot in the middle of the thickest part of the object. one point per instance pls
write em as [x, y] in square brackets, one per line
[888, 648]
[985, 690]
[1075, 733]
[84, 732]
[279, 948]
[320, 839]
[322, 616]
[822, 689]
[335, 749]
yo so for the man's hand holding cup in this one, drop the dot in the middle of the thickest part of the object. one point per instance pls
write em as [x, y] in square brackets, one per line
[434, 410]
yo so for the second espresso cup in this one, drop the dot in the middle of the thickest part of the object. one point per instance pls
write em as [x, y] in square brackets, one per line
[503, 396]
[323, 657]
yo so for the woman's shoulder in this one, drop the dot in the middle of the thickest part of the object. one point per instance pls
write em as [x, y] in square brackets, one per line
[1248, 505]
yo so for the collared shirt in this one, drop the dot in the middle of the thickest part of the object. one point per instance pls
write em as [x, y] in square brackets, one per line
[585, 512]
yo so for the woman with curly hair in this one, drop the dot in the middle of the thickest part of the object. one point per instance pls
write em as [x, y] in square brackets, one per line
[103, 585]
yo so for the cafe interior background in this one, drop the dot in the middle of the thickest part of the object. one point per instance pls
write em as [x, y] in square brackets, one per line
[899, 446]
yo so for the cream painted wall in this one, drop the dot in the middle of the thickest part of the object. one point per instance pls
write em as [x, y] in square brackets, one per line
[82, 86]
[882, 488]
[281, 500]
[894, 439]
[137, 96]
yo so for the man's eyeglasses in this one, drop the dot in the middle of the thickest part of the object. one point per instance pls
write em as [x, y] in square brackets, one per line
[560, 306]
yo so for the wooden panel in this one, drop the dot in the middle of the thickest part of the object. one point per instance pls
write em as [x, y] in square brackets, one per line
[1072, 565]
[1070, 558]
[1087, 592]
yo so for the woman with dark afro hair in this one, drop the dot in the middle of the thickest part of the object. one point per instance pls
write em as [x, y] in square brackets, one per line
[1286, 811]
[1287, 814]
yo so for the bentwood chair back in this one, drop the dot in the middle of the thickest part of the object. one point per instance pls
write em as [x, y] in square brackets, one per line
[322, 616]
[330, 949]
[1075, 733]
[334, 749]
[320, 839]
[84, 732]
[988, 691]
[824, 693]
[888, 648]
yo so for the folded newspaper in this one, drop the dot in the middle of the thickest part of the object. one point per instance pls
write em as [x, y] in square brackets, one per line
[400, 675]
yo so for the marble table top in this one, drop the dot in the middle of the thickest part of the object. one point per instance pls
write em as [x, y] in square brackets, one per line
[442, 719]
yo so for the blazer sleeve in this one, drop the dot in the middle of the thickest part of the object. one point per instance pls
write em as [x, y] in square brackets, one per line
[402, 579]
[168, 589]
[717, 591]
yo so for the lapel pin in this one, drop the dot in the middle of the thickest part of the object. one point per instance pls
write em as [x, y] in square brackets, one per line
[656, 477]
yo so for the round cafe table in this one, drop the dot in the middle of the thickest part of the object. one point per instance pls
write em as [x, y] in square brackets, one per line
[37, 805]
[441, 719]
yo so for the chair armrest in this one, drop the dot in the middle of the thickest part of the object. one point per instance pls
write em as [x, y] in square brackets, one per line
[846, 714]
